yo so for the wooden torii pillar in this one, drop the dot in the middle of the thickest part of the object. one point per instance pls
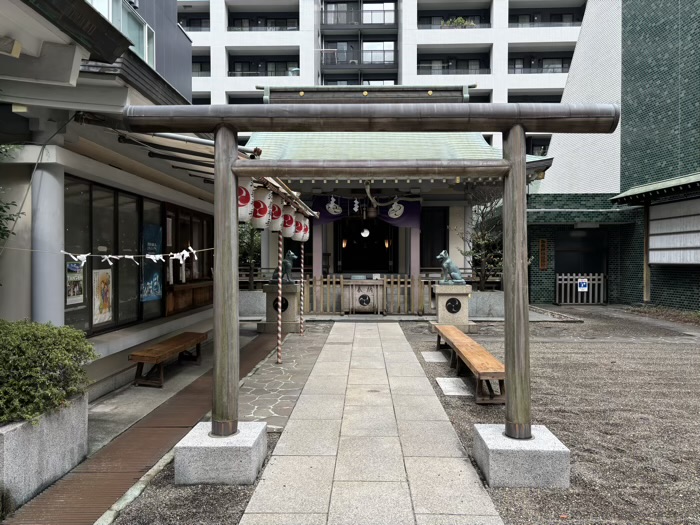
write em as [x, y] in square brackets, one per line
[511, 119]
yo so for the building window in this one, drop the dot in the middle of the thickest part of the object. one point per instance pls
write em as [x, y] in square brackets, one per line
[378, 52]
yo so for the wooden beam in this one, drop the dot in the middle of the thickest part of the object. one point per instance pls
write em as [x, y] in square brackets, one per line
[548, 118]
[646, 276]
[515, 286]
[363, 169]
[224, 418]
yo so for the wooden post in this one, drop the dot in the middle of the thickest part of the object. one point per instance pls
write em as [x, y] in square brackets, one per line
[517, 333]
[647, 269]
[224, 418]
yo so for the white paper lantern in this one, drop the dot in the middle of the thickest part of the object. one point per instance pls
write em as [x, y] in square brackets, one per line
[307, 229]
[276, 214]
[262, 207]
[245, 199]
[288, 222]
[298, 227]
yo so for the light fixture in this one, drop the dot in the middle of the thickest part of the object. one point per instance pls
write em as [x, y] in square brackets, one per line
[345, 243]
[372, 212]
[365, 233]
[386, 243]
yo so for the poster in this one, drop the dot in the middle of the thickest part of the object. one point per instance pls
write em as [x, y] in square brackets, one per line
[151, 285]
[75, 283]
[102, 296]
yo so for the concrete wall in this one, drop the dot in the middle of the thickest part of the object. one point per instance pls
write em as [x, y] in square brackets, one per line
[34, 456]
[15, 275]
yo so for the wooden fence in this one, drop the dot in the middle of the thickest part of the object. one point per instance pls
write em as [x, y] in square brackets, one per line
[567, 288]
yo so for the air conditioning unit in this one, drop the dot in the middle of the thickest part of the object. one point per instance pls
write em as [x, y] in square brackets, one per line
[134, 3]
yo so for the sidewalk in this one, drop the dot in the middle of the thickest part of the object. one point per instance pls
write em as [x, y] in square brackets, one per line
[368, 442]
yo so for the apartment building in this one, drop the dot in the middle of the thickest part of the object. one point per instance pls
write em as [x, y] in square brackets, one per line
[513, 50]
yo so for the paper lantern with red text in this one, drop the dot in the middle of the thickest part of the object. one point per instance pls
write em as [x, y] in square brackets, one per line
[288, 225]
[245, 199]
[276, 214]
[307, 229]
[298, 227]
[262, 206]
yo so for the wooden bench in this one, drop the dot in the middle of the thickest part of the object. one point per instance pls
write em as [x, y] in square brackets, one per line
[158, 353]
[484, 366]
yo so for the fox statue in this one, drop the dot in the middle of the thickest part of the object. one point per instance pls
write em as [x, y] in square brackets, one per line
[450, 272]
[286, 268]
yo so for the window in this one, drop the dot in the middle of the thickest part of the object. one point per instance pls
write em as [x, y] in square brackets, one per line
[474, 66]
[201, 69]
[555, 65]
[516, 65]
[77, 240]
[103, 273]
[378, 82]
[379, 13]
[151, 271]
[378, 52]
[523, 20]
[128, 271]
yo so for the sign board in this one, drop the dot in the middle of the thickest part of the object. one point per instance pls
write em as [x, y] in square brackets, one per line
[582, 285]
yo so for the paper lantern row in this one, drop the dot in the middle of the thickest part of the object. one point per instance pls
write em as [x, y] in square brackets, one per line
[266, 210]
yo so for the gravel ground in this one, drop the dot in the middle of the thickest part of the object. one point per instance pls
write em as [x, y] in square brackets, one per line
[669, 314]
[164, 503]
[623, 393]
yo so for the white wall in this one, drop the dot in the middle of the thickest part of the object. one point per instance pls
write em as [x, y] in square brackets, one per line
[15, 266]
[590, 163]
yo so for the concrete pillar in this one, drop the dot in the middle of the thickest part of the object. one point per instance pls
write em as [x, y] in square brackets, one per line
[415, 252]
[317, 248]
[48, 270]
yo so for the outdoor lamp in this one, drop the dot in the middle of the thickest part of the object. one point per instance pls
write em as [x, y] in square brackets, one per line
[386, 243]
[345, 243]
[365, 233]
[262, 205]
[246, 190]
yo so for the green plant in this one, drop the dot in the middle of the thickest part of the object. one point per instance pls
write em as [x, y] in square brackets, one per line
[7, 217]
[41, 366]
[249, 245]
[458, 22]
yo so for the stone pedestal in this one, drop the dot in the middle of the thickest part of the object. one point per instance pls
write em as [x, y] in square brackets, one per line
[232, 460]
[540, 462]
[290, 309]
[453, 304]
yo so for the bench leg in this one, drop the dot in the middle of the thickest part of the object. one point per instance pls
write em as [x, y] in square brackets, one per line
[188, 356]
[491, 392]
[459, 365]
[502, 387]
[146, 380]
[438, 342]
[139, 374]
[454, 360]
[162, 375]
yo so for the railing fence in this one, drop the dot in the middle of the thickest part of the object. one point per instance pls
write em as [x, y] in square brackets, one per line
[567, 288]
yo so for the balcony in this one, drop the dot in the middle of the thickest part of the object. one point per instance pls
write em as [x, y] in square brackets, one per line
[129, 22]
[430, 70]
[276, 73]
[278, 23]
[544, 24]
[356, 58]
[427, 20]
[537, 70]
[357, 17]
[443, 25]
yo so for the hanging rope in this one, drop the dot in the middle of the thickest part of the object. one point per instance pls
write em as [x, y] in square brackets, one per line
[280, 255]
[301, 319]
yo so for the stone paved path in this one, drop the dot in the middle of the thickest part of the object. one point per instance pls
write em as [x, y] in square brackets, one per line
[368, 443]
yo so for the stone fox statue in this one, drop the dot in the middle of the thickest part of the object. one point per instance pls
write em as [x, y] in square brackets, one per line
[286, 268]
[450, 272]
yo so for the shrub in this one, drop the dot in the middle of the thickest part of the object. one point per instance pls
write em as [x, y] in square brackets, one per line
[41, 366]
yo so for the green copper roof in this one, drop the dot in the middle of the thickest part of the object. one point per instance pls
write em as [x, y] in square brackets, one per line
[378, 146]
[658, 189]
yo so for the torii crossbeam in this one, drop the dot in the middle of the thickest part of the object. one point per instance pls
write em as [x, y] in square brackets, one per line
[513, 120]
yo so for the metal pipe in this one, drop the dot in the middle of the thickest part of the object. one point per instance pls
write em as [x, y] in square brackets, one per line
[362, 169]
[224, 417]
[547, 118]
[515, 287]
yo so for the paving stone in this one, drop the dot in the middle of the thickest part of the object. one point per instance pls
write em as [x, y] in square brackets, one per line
[438, 484]
[430, 439]
[369, 459]
[367, 351]
[319, 406]
[361, 420]
[419, 408]
[454, 386]
[367, 361]
[370, 503]
[368, 376]
[330, 369]
[283, 519]
[400, 357]
[334, 356]
[412, 386]
[326, 385]
[308, 437]
[368, 395]
[451, 519]
[294, 484]
[434, 357]
[404, 369]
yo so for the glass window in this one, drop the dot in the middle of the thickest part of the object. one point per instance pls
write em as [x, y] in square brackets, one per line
[128, 271]
[552, 65]
[77, 240]
[102, 244]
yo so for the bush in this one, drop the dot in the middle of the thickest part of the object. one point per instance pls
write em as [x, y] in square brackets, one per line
[41, 366]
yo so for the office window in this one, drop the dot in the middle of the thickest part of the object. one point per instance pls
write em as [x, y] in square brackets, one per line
[77, 240]
[127, 270]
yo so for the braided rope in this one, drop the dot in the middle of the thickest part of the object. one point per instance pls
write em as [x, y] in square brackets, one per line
[280, 255]
[301, 320]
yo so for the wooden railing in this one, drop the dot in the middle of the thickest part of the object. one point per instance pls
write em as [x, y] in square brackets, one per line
[324, 295]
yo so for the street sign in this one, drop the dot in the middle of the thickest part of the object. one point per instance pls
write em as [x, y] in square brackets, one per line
[582, 285]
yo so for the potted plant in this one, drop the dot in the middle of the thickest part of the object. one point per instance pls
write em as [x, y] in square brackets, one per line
[43, 406]
[458, 22]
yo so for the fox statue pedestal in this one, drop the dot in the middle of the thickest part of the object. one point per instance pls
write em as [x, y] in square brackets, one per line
[453, 305]
[290, 309]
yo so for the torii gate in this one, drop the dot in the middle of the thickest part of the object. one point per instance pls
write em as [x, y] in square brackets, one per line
[513, 120]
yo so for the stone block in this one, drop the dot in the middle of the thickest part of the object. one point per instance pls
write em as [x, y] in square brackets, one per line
[540, 462]
[290, 309]
[232, 460]
[32, 456]
[452, 303]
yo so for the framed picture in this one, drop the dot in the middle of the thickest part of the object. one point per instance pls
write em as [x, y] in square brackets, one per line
[101, 296]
